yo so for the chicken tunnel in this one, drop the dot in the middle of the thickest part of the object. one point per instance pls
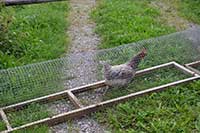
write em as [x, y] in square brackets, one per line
[80, 83]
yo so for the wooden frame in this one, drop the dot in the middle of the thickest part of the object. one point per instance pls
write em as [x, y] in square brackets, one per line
[5, 119]
[192, 65]
[25, 2]
[82, 110]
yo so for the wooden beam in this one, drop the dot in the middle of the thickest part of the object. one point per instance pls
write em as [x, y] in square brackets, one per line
[95, 85]
[5, 120]
[148, 70]
[47, 98]
[193, 69]
[54, 96]
[24, 2]
[88, 109]
[74, 100]
[193, 64]
[184, 69]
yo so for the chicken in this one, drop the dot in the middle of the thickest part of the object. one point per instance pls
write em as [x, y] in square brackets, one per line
[121, 75]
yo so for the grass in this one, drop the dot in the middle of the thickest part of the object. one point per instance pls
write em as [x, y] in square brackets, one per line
[37, 32]
[31, 81]
[34, 33]
[30, 34]
[2, 126]
[189, 9]
[174, 110]
[160, 50]
[197, 67]
[120, 22]
[29, 114]
[36, 129]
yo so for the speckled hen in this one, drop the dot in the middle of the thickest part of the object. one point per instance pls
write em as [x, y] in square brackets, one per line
[121, 75]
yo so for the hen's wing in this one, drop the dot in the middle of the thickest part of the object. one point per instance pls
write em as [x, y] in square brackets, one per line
[120, 72]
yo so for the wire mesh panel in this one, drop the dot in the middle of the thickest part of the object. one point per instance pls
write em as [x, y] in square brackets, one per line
[182, 47]
[35, 80]
[26, 82]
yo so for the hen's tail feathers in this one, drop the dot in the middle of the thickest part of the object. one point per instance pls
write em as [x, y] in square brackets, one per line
[134, 62]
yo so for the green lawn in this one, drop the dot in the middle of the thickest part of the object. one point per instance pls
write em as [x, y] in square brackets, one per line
[125, 21]
[32, 33]
[29, 34]
[27, 82]
[2, 126]
[189, 9]
[29, 114]
[174, 110]
[38, 32]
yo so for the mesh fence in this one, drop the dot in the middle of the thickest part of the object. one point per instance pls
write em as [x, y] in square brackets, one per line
[26, 82]
[35, 80]
[182, 47]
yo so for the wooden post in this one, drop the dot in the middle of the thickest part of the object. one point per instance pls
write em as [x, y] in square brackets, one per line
[194, 64]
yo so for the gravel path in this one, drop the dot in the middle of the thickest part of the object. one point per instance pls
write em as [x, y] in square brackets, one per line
[81, 30]
[84, 66]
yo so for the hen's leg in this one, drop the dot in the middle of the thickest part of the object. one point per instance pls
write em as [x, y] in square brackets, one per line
[106, 89]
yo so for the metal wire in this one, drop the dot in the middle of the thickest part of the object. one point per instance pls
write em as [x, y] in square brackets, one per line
[34, 80]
